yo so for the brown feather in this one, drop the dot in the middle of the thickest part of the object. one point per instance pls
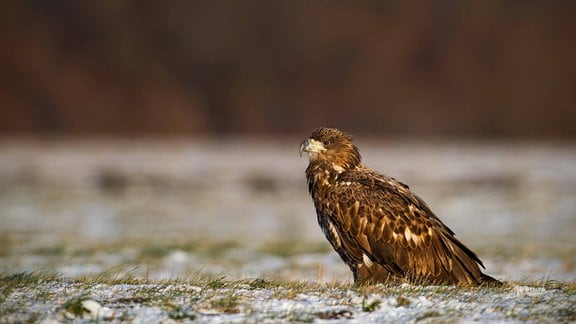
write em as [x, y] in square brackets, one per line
[380, 229]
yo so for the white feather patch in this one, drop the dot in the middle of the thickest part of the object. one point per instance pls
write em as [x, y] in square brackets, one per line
[407, 234]
[337, 168]
[411, 236]
[367, 260]
[335, 234]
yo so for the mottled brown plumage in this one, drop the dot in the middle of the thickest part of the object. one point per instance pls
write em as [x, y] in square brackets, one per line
[380, 229]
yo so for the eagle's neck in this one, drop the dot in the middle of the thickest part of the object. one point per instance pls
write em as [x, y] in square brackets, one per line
[324, 169]
[321, 177]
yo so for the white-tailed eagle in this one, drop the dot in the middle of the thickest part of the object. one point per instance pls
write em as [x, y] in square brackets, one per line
[380, 229]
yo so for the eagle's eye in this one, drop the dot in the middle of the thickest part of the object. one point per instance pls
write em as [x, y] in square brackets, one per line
[326, 143]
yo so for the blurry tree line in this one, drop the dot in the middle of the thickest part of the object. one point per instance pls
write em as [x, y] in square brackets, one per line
[439, 67]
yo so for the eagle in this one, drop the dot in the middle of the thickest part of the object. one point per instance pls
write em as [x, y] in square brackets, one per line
[379, 228]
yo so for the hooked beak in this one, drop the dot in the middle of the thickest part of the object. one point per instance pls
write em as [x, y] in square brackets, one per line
[311, 145]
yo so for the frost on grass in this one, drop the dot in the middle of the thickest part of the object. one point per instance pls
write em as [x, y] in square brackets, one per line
[35, 297]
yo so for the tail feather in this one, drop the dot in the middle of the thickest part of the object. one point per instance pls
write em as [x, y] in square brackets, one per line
[490, 281]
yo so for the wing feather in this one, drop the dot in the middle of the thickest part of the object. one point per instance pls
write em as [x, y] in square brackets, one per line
[380, 218]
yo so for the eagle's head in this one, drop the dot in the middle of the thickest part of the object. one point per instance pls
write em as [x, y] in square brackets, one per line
[332, 148]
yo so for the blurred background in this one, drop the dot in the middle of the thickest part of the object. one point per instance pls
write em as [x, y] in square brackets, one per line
[162, 137]
[440, 67]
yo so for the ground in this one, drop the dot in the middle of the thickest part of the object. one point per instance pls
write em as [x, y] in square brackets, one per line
[224, 230]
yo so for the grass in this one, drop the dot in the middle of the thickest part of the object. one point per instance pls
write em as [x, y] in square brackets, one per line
[35, 296]
[370, 306]
[74, 305]
[31, 296]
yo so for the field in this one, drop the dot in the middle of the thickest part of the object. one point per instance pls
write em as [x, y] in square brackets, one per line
[224, 230]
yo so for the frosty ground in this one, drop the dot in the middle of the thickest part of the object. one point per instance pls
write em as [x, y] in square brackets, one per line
[223, 230]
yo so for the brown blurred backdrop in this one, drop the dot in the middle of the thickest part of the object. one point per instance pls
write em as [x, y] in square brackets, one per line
[443, 68]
